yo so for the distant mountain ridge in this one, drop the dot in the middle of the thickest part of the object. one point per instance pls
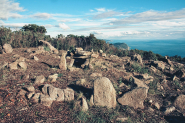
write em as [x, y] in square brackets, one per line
[121, 46]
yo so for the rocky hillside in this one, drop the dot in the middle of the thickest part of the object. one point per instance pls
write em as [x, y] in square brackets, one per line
[44, 84]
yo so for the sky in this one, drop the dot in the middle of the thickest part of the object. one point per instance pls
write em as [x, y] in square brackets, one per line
[106, 19]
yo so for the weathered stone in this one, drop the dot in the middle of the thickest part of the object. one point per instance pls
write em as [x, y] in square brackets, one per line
[91, 103]
[96, 74]
[104, 93]
[4, 65]
[23, 65]
[60, 95]
[7, 48]
[157, 105]
[145, 76]
[36, 97]
[137, 58]
[28, 50]
[62, 64]
[139, 83]
[30, 89]
[71, 62]
[46, 100]
[158, 64]
[16, 56]
[169, 110]
[39, 79]
[84, 105]
[80, 82]
[86, 63]
[134, 98]
[103, 54]
[94, 55]
[35, 58]
[180, 102]
[150, 79]
[53, 77]
[68, 94]
[122, 119]
[21, 59]
[29, 95]
[21, 93]
[90, 66]
[52, 49]
[83, 53]
[100, 51]
[13, 65]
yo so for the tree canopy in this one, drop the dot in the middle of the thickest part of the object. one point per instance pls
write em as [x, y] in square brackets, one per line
[34, 28]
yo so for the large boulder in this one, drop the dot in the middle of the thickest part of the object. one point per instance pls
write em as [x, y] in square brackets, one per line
[180, 102]
[62, 64]
[137, 58]
[52, 49]
[134, 98]
[104, 93]
[39, 79]
[158, 64]
[7, 48]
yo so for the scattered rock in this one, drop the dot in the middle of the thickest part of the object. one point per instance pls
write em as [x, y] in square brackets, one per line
[21, 59]
[134, 98]
[45, 100]
[23, 65]
[169, 110]
[122, 119]
[16, 56]
[158, 64]
[84, 105]
[137, 58]
[7, 48]
[104, 93]
[53, 77]
[30, 89]
[180, 102]
[139, 83]
[28, 50]
[95, 55]
[68, 94]
[13, 66]
[71, 62]
[157, 105]
[85, 64]
[60, 95]
[80, 82]
[35, 98]
[96, 75]
[35, 58]
[52, 49]
[39, 79]
[62, 64]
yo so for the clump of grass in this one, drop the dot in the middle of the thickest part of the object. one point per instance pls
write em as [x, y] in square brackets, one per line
[138, 68]
[60, 75]
[46, 48]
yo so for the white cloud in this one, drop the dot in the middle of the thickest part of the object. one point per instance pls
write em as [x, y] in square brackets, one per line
[41, 16]
[91, 10]
[14, 25]
[70, 20]
[107, 14]
[9, 9]
[150, 16]
[100, 9]
[63, 26]
[48, 25]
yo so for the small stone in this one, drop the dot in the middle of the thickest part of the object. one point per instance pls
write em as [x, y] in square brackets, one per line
[157, 105]
[30, 88]
[23, 65]
[80, 82]
[35, 58]
[29, 95]
[7, 48]
[68, 94]
[53, 77]
[84, 105]
[13, 66]
[46, 100]
[39, 79]
[169, 110]
[36, 97]
[122, 119]
[96, 74]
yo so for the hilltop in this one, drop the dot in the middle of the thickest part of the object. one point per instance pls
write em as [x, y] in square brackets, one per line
[85, 79]
[123, 46]
[33, 81]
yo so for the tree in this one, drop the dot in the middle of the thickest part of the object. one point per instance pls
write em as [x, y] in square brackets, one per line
[34, 28]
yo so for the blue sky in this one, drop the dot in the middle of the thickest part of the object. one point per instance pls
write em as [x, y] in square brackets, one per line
[107, 19]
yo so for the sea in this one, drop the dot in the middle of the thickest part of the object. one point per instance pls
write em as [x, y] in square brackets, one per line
[162, 47]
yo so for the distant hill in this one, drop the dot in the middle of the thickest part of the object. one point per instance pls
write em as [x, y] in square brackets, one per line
[121, 45]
